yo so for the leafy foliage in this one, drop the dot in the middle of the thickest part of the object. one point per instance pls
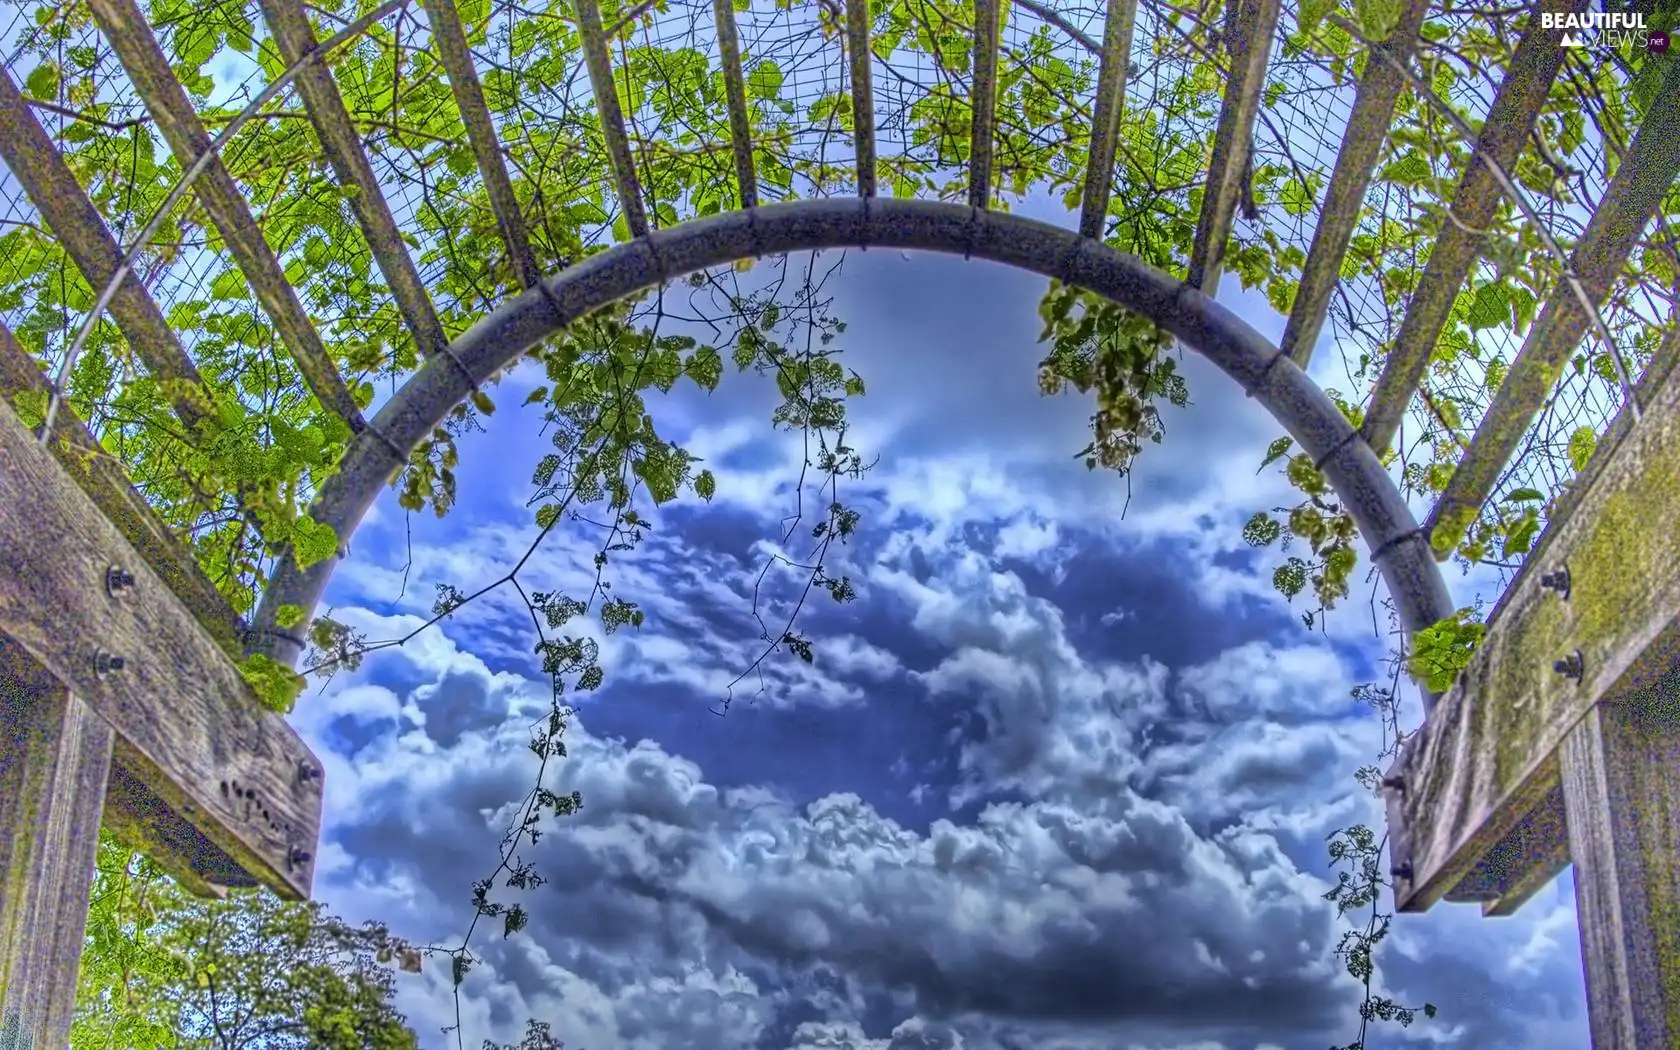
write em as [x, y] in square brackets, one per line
[163, 970]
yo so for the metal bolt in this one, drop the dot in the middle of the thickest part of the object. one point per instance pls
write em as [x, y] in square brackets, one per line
[306, 772]
[1395, 783]
[297, 858]
[1402, 870]
[104, 663]
[1557, 580]
[117, 578]
[1571, 667]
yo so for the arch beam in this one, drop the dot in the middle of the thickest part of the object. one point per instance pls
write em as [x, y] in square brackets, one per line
[1397, 544]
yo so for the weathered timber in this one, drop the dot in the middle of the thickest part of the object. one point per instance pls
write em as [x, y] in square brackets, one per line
[36, 164]
[1646, 172]
[983, 101]
[1254, 27]
[1487, 759]
[1534, 65]
[735, 91]
[188, 726]
[55, 754]
[315, 85]
[623, 163]
[863, 94]
[450, 40]
[1623, 802]
[99, 474]
[1112, 71]
[125, 27]
[1362, 143]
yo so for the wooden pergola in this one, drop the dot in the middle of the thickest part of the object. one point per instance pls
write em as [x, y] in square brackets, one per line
[117, 655]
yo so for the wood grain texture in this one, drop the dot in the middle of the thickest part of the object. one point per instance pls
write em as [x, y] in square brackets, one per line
[189, 727]
[55, 755]
[1487, 758]
[290, 25]
[860, 63]
[1623, 800]
[1254, 27]
[983, 101]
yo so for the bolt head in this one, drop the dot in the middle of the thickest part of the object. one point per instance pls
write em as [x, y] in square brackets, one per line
[117, 578]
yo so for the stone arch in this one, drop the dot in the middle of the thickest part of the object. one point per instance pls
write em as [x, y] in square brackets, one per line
[1398, 546]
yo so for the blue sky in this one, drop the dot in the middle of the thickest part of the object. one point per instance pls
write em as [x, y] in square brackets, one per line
[1057, 780]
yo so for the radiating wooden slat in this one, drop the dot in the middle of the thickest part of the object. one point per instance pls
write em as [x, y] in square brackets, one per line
[863, 93]
[1362, 143]
[1250, 45]
[77, 225]
[983, 101]
[1534, 65]
[450, 41]
[735, 90]
[291, 29]
[1646, 172]
[612, 116]
[126, 28]
[1105, 122]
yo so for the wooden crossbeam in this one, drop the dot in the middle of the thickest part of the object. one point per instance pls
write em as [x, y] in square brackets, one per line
[595, 56]
[1510, 122]
[1362, 143]
[296, 38]
[863, 94]
[1483, 783]
[187, 724]
[1112, 70]
[983, 101]
[1646, 172]
[125, 27]
[735, 91]
[451, 42]
[78, 227]
[1250, 46]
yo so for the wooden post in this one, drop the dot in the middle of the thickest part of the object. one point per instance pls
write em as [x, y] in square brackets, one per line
[1560, 742]
[116, 702]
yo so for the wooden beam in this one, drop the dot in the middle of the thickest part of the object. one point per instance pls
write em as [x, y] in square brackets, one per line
[295, 37]
[612, 116]
[450, 41]
[863, 94]
[55, 754]
[1112, 71]
[1487, 759]
[1250, 48]
[735, 90]
[1624, 831]
[1362, 143]
[188, 725]
[77, 225]
[1505, 133]
[125, 27]
[983, 101]
[1646, 172]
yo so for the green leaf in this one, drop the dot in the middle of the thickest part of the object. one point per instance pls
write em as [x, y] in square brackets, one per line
[43, 82]
[765, 80]
[705, 485]
[1491, 307]
[1582, 443]
[288, 616]
[312, 541]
